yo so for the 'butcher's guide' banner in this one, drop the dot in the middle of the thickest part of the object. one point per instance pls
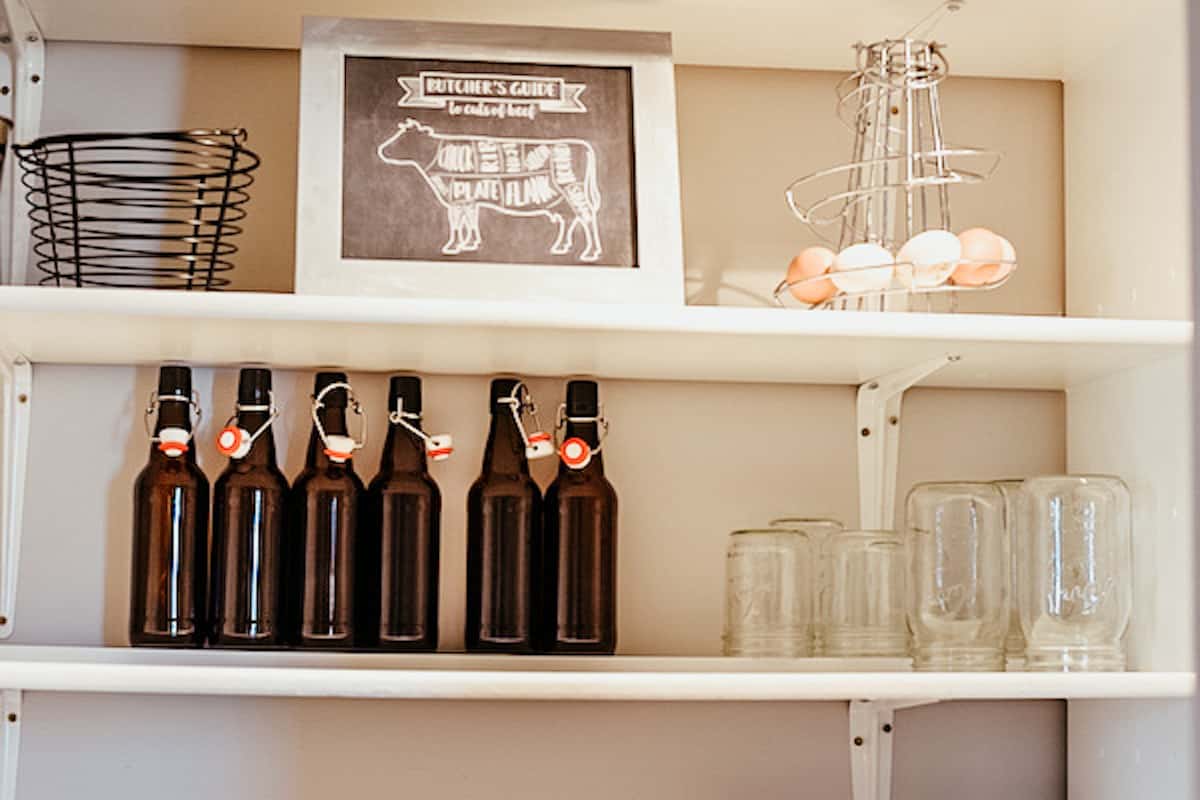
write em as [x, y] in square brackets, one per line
[453, 161]
[491, 95]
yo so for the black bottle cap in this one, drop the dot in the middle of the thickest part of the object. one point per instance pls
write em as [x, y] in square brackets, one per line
[335, 398]
[583, 399]
[501, 388]
[406, 388]
[254, 386]
[175, 380]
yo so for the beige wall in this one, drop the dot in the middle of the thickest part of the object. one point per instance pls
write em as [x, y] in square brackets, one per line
[744, 135]
[678, 499]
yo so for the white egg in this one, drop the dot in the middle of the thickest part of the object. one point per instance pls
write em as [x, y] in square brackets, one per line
[928, 259]
[851, 269]
[1010, 260]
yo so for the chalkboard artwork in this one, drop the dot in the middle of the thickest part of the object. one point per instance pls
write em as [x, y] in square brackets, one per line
[488, 162]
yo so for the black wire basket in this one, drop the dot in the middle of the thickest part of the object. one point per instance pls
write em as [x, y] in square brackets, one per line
[154, 210]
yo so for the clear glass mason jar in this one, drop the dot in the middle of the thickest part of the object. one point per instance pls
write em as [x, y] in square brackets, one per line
[866, 595]
[959, 573]
[1076, 585]
[1014, 643]
[818, 530]
[768, 594]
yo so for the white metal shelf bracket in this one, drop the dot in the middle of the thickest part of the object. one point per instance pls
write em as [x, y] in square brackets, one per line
[10, 699]
[872, 728]
[16, 400]
[22, 41]
[879, 440]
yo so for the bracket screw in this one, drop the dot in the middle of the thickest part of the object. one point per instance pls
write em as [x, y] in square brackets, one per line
[887, 728]
[21, 398]
[5, 39]
[893, 420]
[4, 90]
[31, 37]
[3, 620]
[865, 431]
[12, 717]
[35, 78]
[858, 741]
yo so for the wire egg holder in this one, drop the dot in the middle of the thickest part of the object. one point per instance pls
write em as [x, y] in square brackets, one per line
[897, 181]
[155, 210]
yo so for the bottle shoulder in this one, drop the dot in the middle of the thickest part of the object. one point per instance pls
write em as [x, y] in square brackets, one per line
[238, 474]
[404, 483]
[492, 484]
[173, 472]
[330, 478]
[582, 483]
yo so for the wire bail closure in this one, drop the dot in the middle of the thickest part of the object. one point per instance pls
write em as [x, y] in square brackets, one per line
[538, 444]
[439, 447]
[235, 441]
[340, 448]
[172, 441]
[575, 452]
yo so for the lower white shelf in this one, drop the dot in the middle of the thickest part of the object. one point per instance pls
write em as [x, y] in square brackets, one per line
[448, 676]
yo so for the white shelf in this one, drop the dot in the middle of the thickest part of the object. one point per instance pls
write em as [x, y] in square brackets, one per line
[767, 33]
[122, 326]
[449, 676]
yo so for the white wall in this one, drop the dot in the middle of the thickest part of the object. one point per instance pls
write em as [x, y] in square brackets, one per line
[1129, 254]
[1125, 110]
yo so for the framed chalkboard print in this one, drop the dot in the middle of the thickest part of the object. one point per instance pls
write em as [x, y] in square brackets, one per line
[487, 162]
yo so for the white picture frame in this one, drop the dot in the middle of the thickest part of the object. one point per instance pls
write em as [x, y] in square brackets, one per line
[321, 268]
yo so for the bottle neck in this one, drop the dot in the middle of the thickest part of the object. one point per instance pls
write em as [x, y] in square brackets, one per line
[505, 453]
[403, 451]
[333, 420]
[590, 433]
[262, 451]
[173, 414]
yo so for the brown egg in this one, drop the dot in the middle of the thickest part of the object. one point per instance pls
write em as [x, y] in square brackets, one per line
[811, 262]
[982, 252]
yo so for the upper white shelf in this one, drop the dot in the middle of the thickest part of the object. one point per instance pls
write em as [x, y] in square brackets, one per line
[124, 326]
[447, 676]
[1016, 38]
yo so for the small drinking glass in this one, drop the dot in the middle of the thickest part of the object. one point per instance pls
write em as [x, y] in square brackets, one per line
[818, 531]
[768, 594]
[866, 597]
[1076, 586]
[1014, 643]
[959, 574]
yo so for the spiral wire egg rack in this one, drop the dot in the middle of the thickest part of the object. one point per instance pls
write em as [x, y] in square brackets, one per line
[154, 210]
[897, 182]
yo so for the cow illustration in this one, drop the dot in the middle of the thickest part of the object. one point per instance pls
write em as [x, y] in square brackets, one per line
[552, 178]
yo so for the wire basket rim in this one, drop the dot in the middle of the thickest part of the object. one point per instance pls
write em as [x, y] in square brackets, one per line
[237, 134]
[783, 289]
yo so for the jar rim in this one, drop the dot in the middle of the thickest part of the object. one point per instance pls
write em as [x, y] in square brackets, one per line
[766, 531]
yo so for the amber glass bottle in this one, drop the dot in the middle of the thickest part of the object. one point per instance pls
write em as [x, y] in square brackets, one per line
[323, 541]
[579, 575]
[398, 585]
[170, 527]
[249, 499]
[503, 538]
